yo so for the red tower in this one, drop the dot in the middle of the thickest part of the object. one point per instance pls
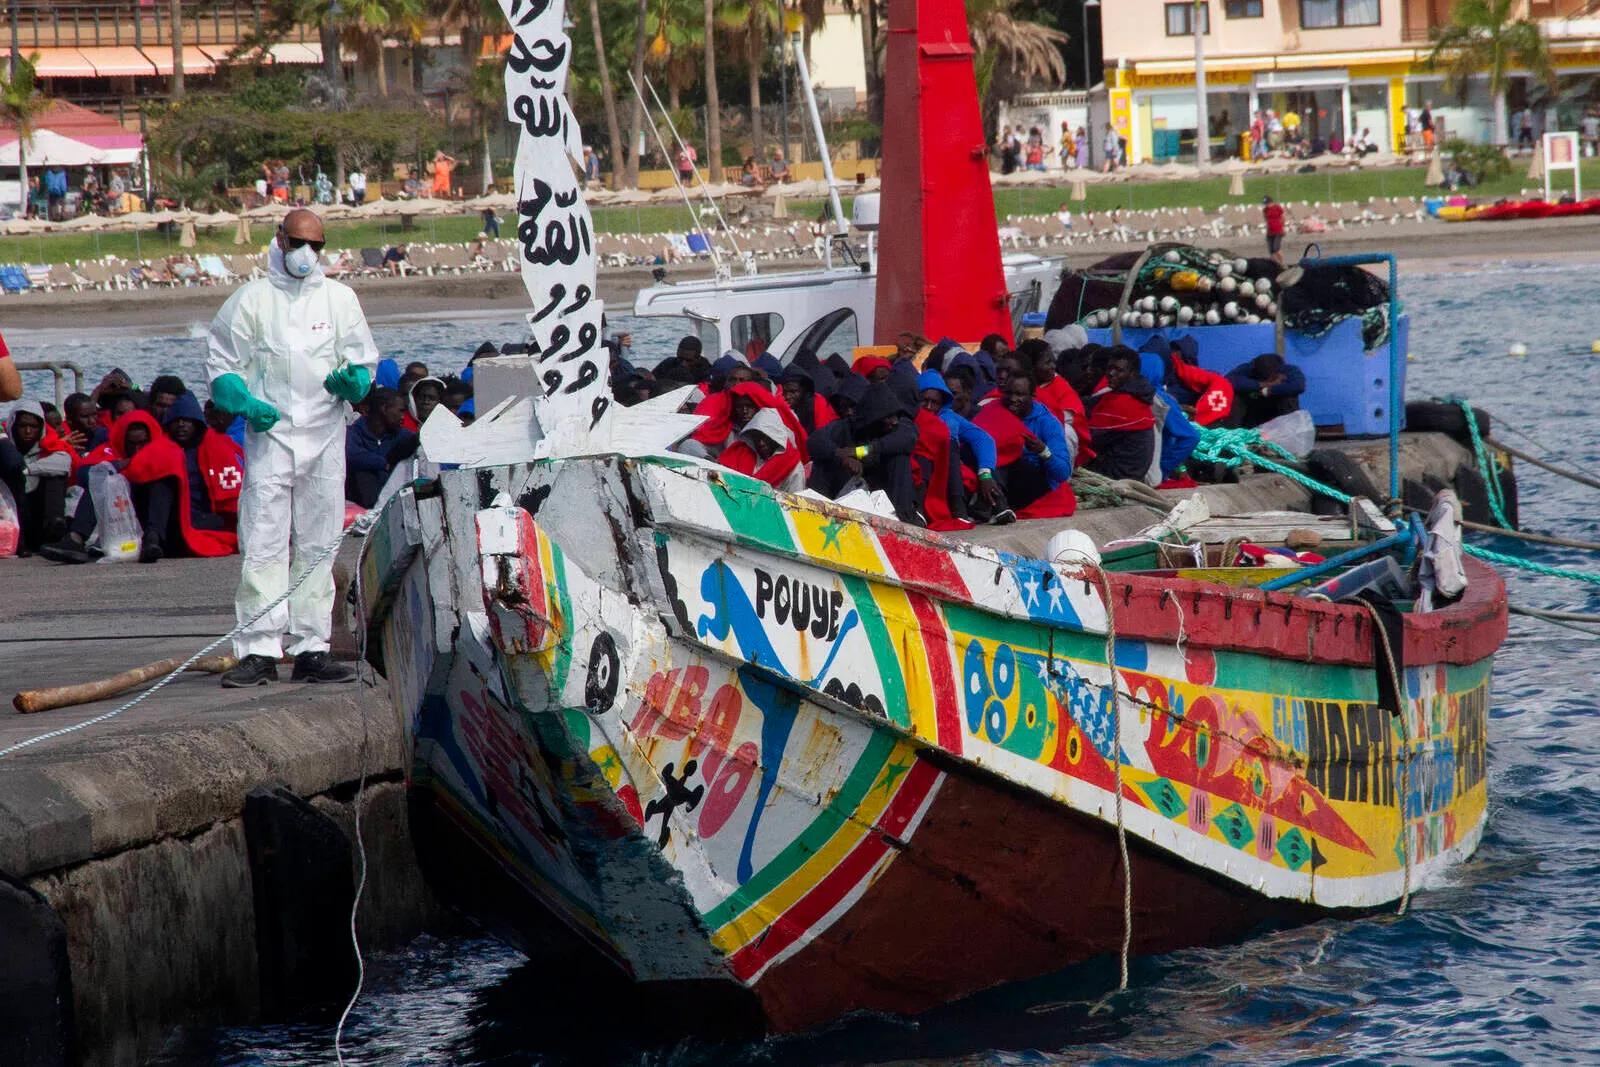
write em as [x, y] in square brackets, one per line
[939, 271]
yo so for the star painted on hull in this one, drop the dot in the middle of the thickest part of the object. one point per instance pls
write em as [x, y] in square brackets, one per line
[830, 534]
[891, 775]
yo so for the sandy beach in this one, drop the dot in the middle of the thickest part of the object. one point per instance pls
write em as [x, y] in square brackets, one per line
[1429, 246]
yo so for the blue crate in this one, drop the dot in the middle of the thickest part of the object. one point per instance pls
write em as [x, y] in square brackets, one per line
[1347, 389]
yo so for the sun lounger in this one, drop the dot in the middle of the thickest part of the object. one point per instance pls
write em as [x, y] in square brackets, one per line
[212, 267]
[14, 279]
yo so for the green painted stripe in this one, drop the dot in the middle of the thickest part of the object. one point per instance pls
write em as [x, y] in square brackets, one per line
[883, 649]
[806, 844]
[563, 661]
[752, 512]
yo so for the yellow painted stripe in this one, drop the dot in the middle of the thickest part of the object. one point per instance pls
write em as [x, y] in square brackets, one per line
[845, 542]
[750, 924]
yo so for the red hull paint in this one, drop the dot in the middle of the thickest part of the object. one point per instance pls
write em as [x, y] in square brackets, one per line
[1000, 886]
[1246, 619]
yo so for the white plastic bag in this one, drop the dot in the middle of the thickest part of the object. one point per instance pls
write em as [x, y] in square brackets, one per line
[10, 524]
[116, 524]
[1294, 431]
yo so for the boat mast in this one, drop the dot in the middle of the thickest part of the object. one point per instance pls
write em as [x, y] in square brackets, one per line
[840, 226]
[939, 268]
[711, 246]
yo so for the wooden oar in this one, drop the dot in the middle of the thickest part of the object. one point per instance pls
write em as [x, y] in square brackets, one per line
[65, 696]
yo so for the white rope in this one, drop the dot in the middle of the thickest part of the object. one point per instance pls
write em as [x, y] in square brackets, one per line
[1091, 565]
[362, 524]
[361, 847]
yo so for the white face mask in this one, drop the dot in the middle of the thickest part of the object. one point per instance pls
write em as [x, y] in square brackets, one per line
[299, 262]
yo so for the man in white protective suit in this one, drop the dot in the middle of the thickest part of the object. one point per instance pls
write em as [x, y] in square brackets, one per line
[289, 352]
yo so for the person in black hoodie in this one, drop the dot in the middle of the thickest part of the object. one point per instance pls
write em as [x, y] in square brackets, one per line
[689, 366]
[1121, 420]
[874, 444]
[805, 385]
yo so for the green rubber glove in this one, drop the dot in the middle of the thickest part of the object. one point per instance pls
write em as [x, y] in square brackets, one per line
[230, 394]
[349, 383]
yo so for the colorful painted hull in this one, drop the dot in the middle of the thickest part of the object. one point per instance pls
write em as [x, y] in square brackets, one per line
[727, 740]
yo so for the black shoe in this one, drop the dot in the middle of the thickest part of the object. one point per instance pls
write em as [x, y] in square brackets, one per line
[150, 552]
[320, 667]
[1004, 517]
[65, 550]
[251, 671]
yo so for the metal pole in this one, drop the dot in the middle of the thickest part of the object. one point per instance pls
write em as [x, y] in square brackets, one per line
[694, 218]
[822, 142]
[1088, 85]
[783, 91]
[1202, 133]
[1396, 363]
[698, 177]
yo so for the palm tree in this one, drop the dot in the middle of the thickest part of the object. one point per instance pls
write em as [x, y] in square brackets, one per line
[368, 23]
[175, 17]
[675, 49]
[713, 101]
[21, 104]
[486, 86]
[1030, 51]
[609, 97]
[636, 114]
[1483, 38]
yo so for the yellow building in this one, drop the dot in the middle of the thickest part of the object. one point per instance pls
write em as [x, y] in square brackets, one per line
[1338, 66]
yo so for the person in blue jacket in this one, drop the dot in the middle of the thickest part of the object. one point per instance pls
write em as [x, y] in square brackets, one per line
[373, 444]
[1178, 434]
[974, 444]
[1045, 462]
[1264, 388]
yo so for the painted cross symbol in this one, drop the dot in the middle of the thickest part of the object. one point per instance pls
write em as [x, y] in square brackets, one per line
[677, 795]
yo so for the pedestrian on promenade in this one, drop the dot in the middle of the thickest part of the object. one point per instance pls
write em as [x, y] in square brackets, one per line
[290, 352]
[1272, 212]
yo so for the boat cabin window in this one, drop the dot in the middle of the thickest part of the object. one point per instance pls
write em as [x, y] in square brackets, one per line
[763, 328]
[834, 332]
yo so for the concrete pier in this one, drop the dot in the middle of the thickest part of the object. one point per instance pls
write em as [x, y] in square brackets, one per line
[174, 908]
[189, 863]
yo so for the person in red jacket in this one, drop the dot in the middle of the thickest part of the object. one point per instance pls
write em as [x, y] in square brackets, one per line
[158, 470]
[765, 449]
[1206, 396]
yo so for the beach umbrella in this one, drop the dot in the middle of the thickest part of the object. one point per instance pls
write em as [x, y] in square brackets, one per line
[1535, 168]
[84, 223]
[1236, 186]
[1080, 191]
[241, 236]
[186, 235]
[270, 210]
[1435, 170]
[780, 208]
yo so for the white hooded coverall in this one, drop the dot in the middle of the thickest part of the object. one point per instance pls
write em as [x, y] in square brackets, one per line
[283, 336]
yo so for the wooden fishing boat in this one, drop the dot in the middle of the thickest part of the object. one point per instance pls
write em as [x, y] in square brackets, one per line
[719, 736]
[774, 760]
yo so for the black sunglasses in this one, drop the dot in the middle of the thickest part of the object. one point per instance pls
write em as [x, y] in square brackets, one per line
[296, 242]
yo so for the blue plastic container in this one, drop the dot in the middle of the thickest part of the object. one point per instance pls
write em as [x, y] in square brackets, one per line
[1347, 388]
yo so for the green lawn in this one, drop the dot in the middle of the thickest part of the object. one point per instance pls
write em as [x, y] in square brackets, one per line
[658, 218]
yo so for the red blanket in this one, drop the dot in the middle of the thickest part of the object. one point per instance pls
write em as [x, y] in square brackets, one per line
[162, 458]
[718, 410]
[1009, 433]
[1216, 392]
[739, 456]
[933, 449]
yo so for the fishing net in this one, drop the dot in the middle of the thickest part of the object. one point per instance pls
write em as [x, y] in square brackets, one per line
[1188, 285]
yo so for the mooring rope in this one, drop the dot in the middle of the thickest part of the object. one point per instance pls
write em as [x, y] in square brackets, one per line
[362, 524]
[1090, 565]
[1480, 455]
[361, 844]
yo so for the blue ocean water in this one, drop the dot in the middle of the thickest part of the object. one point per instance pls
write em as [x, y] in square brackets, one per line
[1497, 964]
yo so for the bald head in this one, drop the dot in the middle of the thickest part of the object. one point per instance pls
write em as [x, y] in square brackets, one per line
[303, 225]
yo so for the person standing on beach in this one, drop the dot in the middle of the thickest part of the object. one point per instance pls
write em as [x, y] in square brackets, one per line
[290, 352]
[1273, 213]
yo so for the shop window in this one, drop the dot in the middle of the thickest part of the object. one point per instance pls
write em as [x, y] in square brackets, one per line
[1241, 9]
[1180, 20]
[1332, 14]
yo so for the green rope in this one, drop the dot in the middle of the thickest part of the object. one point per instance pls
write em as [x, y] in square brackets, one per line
[1530, 565]
[1491, 478]
[1234, 447]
